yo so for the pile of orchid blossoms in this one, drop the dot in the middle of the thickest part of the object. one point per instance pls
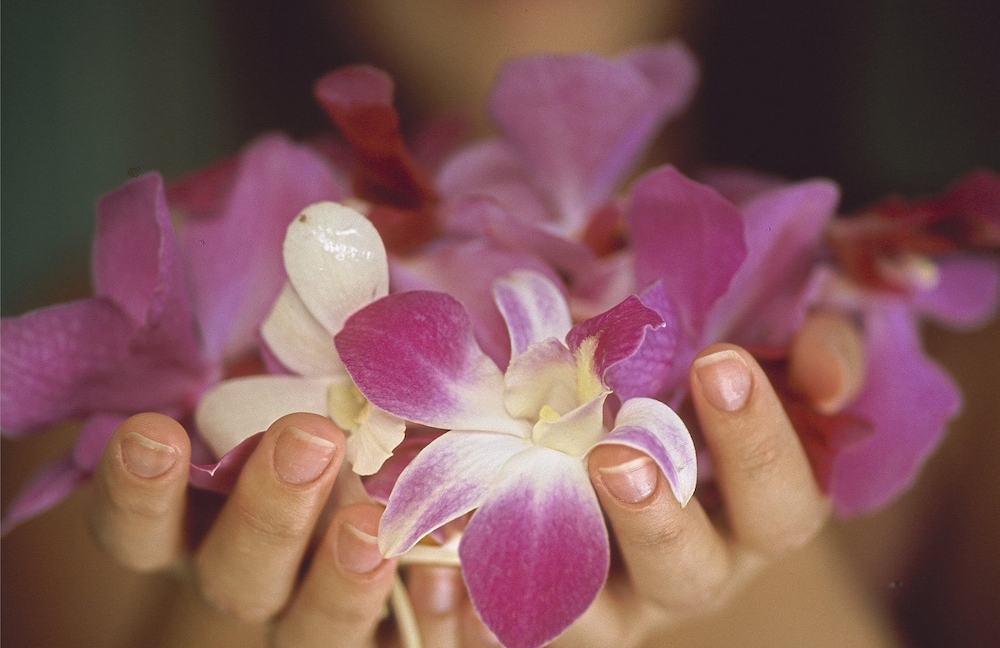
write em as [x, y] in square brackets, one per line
[477, 320]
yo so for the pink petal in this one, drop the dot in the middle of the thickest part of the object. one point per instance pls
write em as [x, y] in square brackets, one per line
[646, 372]
[220, 477]
[966, 294]
[740, 185]
[579, 122]
[413, 355]
[336, 262]
[236, 409]
[235, 256]
[533, 308]
[651, 427]
[71, 360]
[619, 332]
[52, 485]
[535, 554]
[380, 485]
[784, 231]
[687, 236]
[203, 192]
[909, 400]
[447, 479]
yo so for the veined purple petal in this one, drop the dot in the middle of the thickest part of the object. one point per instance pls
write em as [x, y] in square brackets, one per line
[52, 485]
[783, 230]
[236, 409]
[966, 294]
[653, 428]
[220, 477]
[336, 262]
[543, 375]
[446, 479]
[535, 554]
[298, 340]
[578, 122]
[619, 332]
[533, 308]
[235, 256]
[687, 236]
[467, 271]
[646, 372]
[413, 355]
[71, 360]
[908, 399]
[93, 437]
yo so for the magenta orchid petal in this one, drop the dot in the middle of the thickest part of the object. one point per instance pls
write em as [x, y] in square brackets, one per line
[235, 409]
[413, 354]
[646, 372]
[297, 339]
[235, 256]
[687, 236]
[379, 486]
[543, 375]
[908, 399]
[220, 477]
[533, 307]
[672, 70]
[535, 554]
[618, 332]
[94, 435]
[448, 478]
[71, 360]
[467, 271]
[653, 428]
[740, 185]
[579, 122]
[51, 485]
[966, 294]
[783, 231]
[335, 261]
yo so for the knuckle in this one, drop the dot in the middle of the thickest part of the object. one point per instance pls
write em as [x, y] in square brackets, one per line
[667, 531]
[272, 526]
[760, 457]
[240, 603]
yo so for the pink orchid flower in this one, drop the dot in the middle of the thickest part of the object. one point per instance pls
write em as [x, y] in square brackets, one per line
[172, 313]
[517, 443]
[336, 264]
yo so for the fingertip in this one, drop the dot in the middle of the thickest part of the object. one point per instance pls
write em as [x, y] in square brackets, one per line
[723, 376]
[826, 362]
[151, 445]
[628, 475]
[354, 531]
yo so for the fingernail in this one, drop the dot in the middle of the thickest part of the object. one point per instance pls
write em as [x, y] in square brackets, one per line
[147, 458]
[357, 551]
[632, 481]
[300, 457]
[725, 380]
[433, 590]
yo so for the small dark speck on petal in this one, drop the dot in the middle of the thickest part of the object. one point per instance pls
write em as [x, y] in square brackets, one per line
[302, 218]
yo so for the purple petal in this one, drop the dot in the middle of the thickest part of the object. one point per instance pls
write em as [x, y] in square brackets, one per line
[533, 307]
[740, 185]
[236, 409]
[908, 399]
[966, 294]
[579, 122]
[651, 427]
[235, 256]
[619, 332]
[467, 271]
[72, 360]
[220, 477]
[52, 485]
[689, 237]
[446, 479]
[646, 372]
[535, 554]
[413, 355]
[94, 436]
[784, 230]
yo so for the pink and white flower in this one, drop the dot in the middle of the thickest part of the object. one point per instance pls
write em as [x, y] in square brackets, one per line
[535, 554]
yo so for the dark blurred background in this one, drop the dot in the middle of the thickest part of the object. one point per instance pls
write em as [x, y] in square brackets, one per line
[881, 95]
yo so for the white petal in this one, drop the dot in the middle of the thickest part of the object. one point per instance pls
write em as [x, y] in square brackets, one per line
[299, 340]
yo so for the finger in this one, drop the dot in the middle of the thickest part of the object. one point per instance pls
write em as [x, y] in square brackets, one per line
[675, 556]
[139, 492]
[773, 502]
[827, 362]
[436, 594]
[344, 594]
[473, 632]
[249, 562]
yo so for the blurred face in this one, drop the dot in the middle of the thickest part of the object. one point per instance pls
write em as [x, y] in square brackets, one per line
[451, 49]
